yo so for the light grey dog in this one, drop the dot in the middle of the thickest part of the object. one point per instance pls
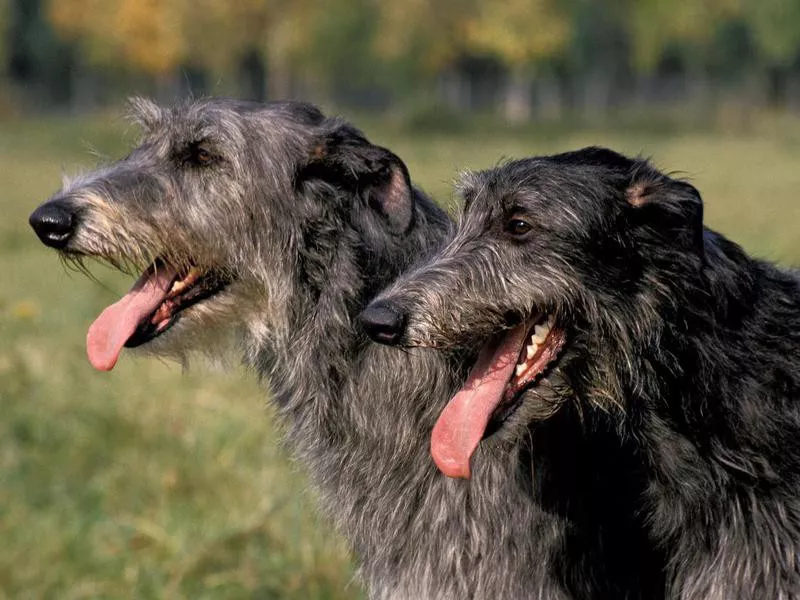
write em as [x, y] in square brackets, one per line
[266, 229]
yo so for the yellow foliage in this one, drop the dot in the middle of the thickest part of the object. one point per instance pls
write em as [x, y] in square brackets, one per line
[518, 31]
[156, 36]
[211, 35]
[150, 34]
[145, 33]
[435, 30]
[656, 23]
[86, 21]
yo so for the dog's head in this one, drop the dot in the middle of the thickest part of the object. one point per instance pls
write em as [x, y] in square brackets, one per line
[561, 267]
[227, 208]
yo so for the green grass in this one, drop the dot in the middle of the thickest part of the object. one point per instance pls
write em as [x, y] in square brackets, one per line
[153, 483]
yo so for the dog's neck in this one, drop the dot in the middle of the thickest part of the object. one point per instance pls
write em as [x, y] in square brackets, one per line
[712, 416]
[708, 325]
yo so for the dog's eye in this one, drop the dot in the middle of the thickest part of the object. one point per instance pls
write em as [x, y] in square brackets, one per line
[517, 226]
[204, 156]
[199, 156]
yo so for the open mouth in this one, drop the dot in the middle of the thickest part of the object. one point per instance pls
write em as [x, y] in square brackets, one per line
[508, 365]
[153, 305]
[541, 348]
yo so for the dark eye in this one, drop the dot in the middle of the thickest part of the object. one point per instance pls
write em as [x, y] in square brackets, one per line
[199, 155]
[517, 226]
[203, 157]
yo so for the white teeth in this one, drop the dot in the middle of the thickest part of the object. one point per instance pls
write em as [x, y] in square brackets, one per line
[540, 333]
[178, 287]
[551, 321]
[191, 277]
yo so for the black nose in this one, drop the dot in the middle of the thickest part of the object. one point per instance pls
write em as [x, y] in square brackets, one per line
[383, 324]
[54, 223]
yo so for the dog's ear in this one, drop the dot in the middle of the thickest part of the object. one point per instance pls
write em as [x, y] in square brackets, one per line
[144, 112]
[669, 209]
[345, 159]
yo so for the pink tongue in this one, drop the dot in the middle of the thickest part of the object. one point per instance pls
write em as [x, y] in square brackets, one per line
[463, 421]
[109, 332]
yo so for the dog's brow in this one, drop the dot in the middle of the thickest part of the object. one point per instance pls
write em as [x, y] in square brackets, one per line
[509, 202]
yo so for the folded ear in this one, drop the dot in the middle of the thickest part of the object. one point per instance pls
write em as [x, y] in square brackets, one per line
[345, 159]
[670, 209]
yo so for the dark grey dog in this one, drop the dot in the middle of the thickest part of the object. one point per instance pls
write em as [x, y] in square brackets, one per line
[266, 229]
[591, 283]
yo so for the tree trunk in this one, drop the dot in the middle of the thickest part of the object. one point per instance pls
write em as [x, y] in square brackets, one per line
[83, 93]
[253, 77]
[279, 73]
[518, 96]
[549, 98]
[597, 93]
[454, 89]
[793, 92]
[700, 92]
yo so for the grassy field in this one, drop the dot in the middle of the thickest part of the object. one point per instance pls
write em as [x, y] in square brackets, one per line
[153, 483]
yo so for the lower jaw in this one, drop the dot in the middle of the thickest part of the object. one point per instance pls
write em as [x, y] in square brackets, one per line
[507, 409]
[528, 407]
[201, 292]
[509, 406]
[147, 334]
[503, 414]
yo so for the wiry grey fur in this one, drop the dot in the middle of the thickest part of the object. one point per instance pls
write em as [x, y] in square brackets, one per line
[690, 345]
[310, 221]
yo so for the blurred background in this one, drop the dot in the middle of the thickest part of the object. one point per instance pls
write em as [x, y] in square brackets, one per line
[521, 59]
[149, 482]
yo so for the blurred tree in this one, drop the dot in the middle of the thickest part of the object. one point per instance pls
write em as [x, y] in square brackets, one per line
[5, 22]
[430, 32]
[89, 24]
[775, 26]
[598, 54]
[220, 38]
[592, 54]
[36, 59]
[434, 36]
[775, 33]
[118, 36]
[264, 34]
[690, 26]
[338, 53]
[426, 38]
[521, 33]
[655, 25]
[157, 37]
[285, 32]
[150, 34]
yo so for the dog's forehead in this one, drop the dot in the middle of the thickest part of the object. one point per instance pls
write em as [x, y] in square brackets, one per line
[223, 118]
[519, 178]
[541, 179]
[213, 119]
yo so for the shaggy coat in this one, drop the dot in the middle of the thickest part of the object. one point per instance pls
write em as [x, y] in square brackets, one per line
[691, 345]
[293, 222]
